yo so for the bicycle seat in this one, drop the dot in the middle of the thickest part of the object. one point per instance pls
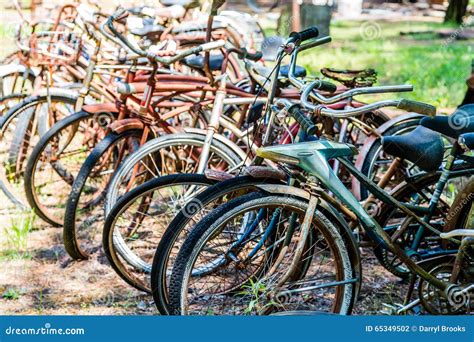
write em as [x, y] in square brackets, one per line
[284, 69]
[148, 30]
[421, 146]
[197, 62]
[352, 78]
[467, 140]
[459, 122]
[299, 71]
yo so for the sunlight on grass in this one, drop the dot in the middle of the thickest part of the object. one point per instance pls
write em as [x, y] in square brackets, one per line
[436, 69]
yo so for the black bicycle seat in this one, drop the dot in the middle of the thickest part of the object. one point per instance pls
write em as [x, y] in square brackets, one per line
[422, 147]
[467, 140]
[197, 62]
[459, 122]
[299, 71]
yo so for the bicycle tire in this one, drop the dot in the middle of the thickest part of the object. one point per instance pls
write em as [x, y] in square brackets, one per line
[457, 217]
[37, 155]
[124, 203]
[70, 235]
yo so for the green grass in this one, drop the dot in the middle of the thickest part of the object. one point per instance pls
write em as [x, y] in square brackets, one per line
[17, 236]
[11, 294]
[435, 68]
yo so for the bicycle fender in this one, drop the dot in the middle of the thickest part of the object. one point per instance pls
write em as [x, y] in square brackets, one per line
[230, 144]
[121, 126]
[108, 107]
[56, 92]
[264, 172]
[11, 68]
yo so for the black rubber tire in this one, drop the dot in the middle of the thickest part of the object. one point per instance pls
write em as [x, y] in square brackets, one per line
[71, 243]
[124, 203]
[179, 223]
[375, 149]
[35, 156]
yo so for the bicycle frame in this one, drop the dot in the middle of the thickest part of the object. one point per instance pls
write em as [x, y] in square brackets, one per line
[313, 157]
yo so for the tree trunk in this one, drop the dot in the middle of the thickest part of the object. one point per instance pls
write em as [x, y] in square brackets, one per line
[309, 15]
[456, 11]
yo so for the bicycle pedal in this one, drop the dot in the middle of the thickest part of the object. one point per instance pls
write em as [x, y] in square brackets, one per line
[389, 309]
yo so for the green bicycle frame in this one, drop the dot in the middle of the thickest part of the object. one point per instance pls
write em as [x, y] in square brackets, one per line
[313, 158]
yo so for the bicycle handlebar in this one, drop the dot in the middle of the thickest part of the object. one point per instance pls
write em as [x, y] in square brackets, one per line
[309, 33]
[244, 54]
[409, 105]
[305, 123]
[122, 13]
[314, 43]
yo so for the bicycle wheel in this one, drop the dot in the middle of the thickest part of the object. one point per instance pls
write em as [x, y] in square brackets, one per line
[403, 229]
[461, 213]
[16, 79]
[211, 278]
[139, 219]
[56, 160]
[168, 154]
[88, 192]
[20, 131]
[181, 225]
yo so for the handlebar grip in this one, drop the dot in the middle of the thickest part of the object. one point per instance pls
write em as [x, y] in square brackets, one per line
[254, 56]
[327, 86]
[417, 107]
[244, 54]
[311, 32]
[305, 123]
[315, 42]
